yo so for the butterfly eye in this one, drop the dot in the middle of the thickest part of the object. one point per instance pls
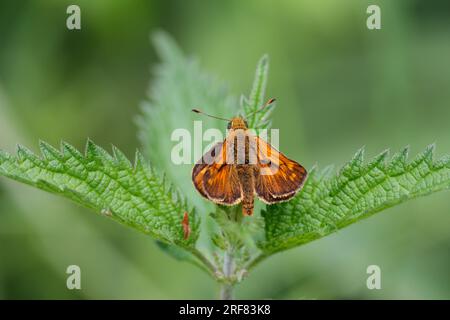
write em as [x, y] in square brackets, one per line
[229, 125]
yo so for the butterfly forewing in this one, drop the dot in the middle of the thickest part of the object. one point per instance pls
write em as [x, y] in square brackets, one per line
[215, 179]
[277, 178]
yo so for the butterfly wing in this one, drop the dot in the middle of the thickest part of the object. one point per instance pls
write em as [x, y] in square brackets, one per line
[216, 180]
[277, 178]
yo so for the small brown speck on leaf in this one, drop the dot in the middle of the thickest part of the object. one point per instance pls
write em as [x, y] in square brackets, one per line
[186, 227]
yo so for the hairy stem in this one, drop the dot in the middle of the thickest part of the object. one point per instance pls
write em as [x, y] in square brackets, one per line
[226, 290]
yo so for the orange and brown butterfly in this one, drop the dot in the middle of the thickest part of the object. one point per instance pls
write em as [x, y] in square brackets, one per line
[244, 165]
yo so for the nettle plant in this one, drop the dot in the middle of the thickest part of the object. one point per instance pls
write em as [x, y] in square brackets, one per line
[218, 239]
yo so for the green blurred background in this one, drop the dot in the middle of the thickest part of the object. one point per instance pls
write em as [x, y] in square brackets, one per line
[340, 86]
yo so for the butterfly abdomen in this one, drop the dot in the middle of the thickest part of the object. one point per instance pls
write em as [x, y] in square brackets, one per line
[247, 207]
[246, 179]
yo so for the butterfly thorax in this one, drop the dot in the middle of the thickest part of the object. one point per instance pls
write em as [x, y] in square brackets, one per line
[240, 140]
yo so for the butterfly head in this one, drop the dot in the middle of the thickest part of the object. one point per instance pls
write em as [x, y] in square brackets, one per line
[237, 123]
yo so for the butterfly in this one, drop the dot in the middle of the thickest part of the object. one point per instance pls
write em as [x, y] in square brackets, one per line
[244, 166]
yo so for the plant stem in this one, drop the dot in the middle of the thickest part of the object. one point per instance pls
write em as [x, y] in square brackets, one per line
[226, 290]
[207, 265]
[255, 261]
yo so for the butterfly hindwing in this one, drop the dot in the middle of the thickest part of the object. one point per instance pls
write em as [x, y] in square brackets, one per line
[277, 178]
[221, 184]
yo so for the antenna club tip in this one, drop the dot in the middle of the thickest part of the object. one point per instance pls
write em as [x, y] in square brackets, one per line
[272, 100]
[208, 115]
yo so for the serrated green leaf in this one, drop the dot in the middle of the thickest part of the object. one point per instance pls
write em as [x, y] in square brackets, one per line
[135, 196]
[180, 85]
[327, 204]
[121, 159]
[250, 106]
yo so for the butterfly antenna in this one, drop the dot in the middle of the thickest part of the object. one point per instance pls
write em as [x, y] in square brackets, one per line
[268, 103]
[211, 116]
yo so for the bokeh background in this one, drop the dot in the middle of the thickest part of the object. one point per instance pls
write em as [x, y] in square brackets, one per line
[339, 85]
